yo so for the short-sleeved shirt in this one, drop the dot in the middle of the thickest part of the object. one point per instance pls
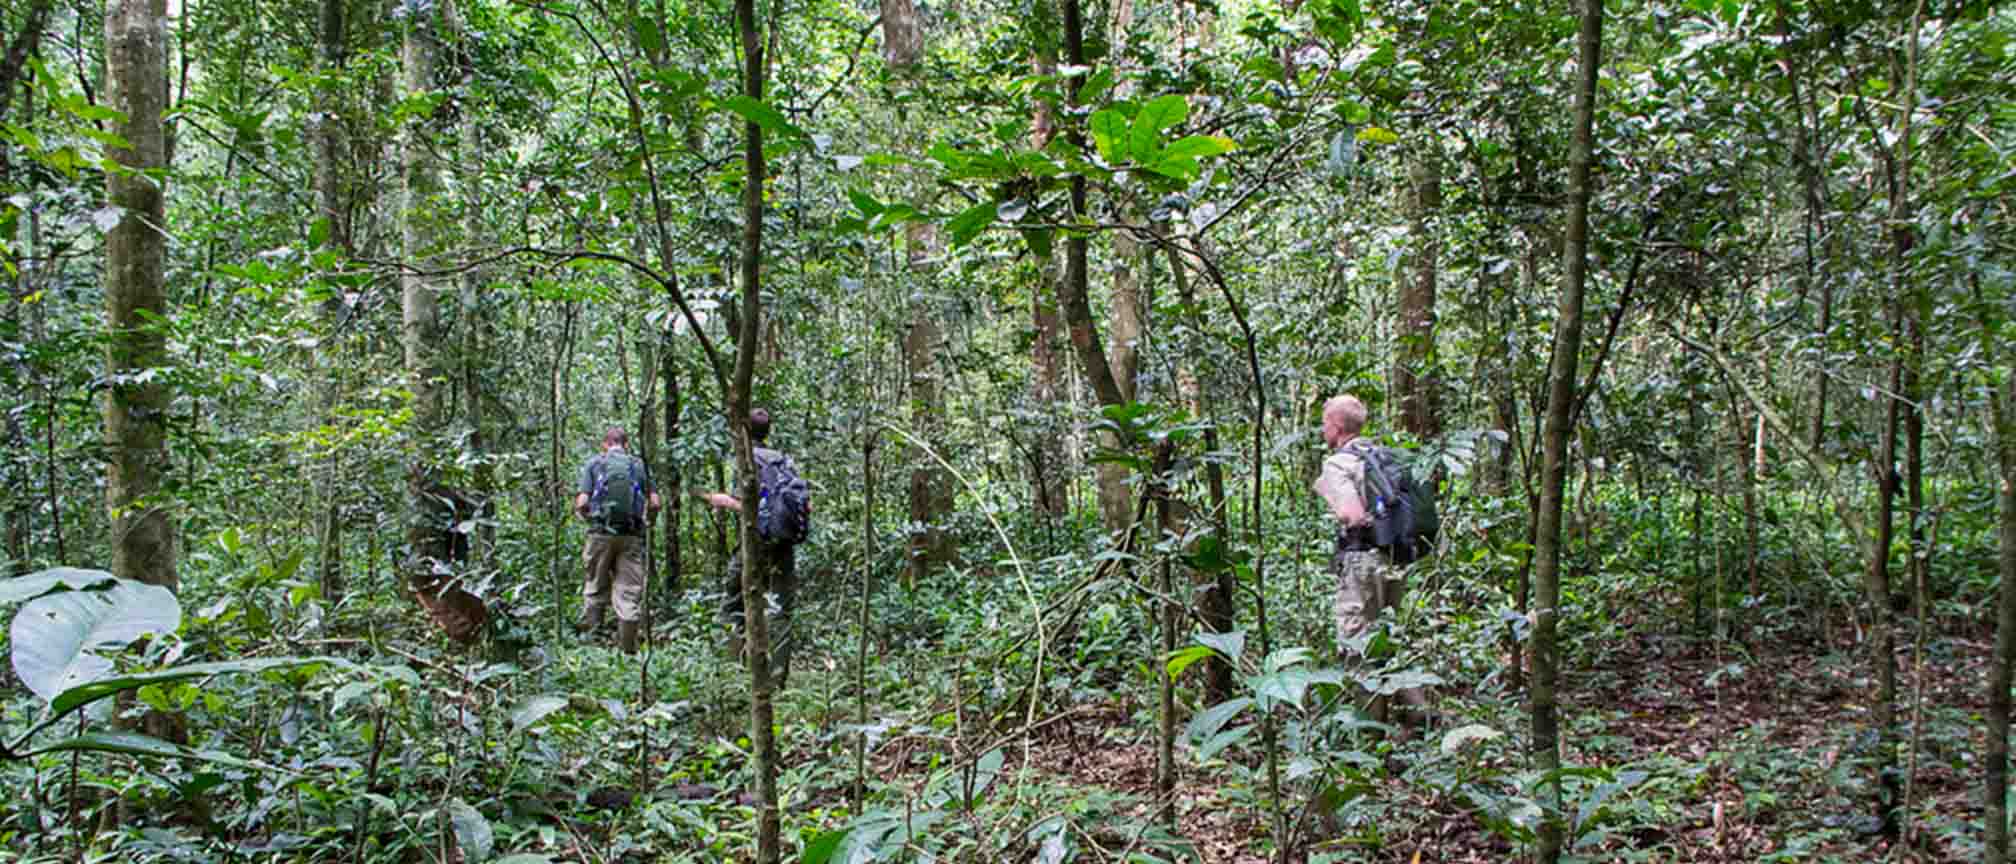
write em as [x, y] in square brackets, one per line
[1344, 476]
[586, 485]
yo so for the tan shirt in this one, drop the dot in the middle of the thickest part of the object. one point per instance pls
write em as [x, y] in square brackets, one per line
[1341, 486]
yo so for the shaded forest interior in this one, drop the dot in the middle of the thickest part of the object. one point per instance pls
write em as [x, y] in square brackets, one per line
[1695, 315]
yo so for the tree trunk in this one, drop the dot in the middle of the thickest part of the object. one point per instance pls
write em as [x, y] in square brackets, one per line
[328, 133]
[1414, 366]
[1995, 788]
[930, 485]
[674, 563]
[1075, 288]
[762, 713]
[1561, 371]
[902, 34]
[432, 553]
[1127, 320]
[1046, 365]
[136, 301]
[1216, 592]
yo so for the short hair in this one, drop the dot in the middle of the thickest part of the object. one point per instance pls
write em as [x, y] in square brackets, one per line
[1350, 412]
[615, 435]
[759, 424]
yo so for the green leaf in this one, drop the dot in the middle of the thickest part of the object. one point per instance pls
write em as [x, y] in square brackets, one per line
[1378, 135]
[968, 224]
[764, 115]
[1229, 644]
[1223, 739]
[525, 858]
[1186, 658]
[55, 636]
[864, 202]
[1109, 128]
[40, 582]
[1199, 147]
[91, 692]
[136, 744]
[531, 711]
[472, 831]
[650, 37]
[1208, 723]
[318, 233]
[1145, 138]
[821, 849]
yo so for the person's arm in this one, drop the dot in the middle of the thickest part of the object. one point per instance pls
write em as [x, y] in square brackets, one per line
[1340, 492]
[581, 504]
[720, 500]
[652, 503]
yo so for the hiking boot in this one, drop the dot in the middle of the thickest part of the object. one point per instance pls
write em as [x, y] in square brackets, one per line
[591, 619]
[626, 636]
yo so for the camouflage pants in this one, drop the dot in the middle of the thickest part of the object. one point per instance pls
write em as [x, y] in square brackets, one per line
[1368, 586]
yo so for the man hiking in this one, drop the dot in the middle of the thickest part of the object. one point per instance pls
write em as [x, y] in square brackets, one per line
[1369, 578]
[783, 519]
[618, 499]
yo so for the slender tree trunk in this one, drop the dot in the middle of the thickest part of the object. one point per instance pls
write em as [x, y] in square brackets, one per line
[1995, 787]
[1046, 372]
[1215, 597]
[930, 486]
[1414, 366]
[1074, 291]
[674, 561]
[1170, 627]
[136, 300]
[329, 198]
[1561, 371]
[762, 713]
[1883, 618]
[1876, 585]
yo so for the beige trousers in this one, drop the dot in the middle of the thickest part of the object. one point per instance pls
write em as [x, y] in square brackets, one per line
[615, 565]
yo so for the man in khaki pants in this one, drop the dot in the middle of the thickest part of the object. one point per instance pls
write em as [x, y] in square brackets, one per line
[617, 497]
[1368, 582]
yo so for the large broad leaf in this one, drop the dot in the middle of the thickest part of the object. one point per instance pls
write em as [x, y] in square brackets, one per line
[1208, 723]
[1109, 133]
[55, 636]
[40, 582]
[1230, 644]
[763, 114]
[822, 847]
[136, 744]
[472, 832]
[1145, 138]
[103, 687]
[968, 224]
[531, 711]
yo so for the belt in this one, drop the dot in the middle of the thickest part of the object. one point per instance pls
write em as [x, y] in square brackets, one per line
[1357, 540]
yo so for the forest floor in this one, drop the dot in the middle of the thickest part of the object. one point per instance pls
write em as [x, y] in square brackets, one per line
[1750, 758]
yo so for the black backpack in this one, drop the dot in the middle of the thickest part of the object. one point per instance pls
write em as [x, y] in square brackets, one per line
[784, 512]
[1404, 522]
[617, 502]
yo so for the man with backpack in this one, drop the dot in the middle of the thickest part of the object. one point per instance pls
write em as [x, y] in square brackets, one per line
[1384, 522]
[617, 498]
[783, 520]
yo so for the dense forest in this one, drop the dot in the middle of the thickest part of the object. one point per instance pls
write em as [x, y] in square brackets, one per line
[1696, 319]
